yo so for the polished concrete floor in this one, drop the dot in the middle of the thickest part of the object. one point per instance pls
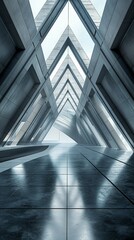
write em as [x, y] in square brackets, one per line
[72, 193]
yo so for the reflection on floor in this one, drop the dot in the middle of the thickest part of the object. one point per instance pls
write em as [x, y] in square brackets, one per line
[74, 193]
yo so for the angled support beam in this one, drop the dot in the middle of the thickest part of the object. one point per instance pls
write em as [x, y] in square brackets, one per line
[61, 76]
[65, 95]
[64, 42]
[97, 126]
[62, 101]
[71, 104]
[68, 33]
[99, 41]
[92, 11]
[78, 47]
[72, 99]
[62, 50]
[74, 76]
[35, 124]
[47, 24]
[78, 57]
[58, 73]
[87, 21]
[47, 119]
[61, 90]
[67, 100]
[68, 81]
[38, 125]
[45, 11]
[94, 129]
[56, 60]
[49, 125]
[67, 92]
[89, 133]
[83, 131]
[67, 65]
[73, 89]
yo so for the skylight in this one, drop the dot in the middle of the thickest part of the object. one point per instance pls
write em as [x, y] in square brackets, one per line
[55, 33]
[76, 30]
[99, 6]
[68, 58]
[80, 32]
[36, 6]
[76, 64]
[59, 64]
[68, 76]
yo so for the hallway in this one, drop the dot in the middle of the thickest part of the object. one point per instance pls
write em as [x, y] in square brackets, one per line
[73, 193]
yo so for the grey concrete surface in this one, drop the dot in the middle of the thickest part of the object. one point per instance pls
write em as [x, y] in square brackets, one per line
[103, 105]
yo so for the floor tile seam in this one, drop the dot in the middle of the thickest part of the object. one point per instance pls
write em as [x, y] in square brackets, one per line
[90, 207]
[35, 186]
[110, 182]
[64, 174]
[93, 185]
[81, 174]
[40, 174]
[32, 186]
[46, 175]
[32, 208]
[53, 174]
[87, 186]
[111, 157]
[116, 173]
[43, 169]
[65, 185]
[101, 208]
[69, 208]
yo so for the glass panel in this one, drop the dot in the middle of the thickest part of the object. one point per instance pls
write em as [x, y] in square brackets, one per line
[99, 5]
[59, 88]
[68, 76]
[55, 135]
[55, 33]
[73, 58]
[68, 58]
[36, 6]
[67, 87]
[75, 67]
[74, 83]
[92, 11]
[80, 32]
[62, 103]
[73, 97]
[58, 64]
[67, 109]
[45, 12]
[59, 73]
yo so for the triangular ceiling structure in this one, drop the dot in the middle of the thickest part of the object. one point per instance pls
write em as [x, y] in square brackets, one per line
[67, 60]
[68, 88]
[65, 38]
